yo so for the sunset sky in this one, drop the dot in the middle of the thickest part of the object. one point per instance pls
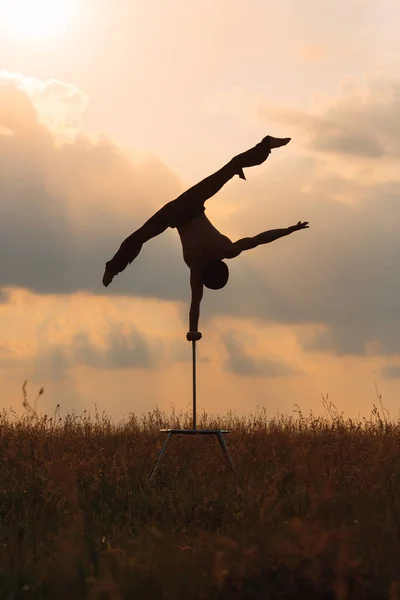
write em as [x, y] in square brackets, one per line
[109, 109]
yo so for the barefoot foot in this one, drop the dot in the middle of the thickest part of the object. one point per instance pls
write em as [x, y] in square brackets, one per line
[257, 155]
[107, 278]
[276, 142]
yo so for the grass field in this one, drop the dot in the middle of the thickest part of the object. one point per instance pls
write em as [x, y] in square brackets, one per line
[316, 513]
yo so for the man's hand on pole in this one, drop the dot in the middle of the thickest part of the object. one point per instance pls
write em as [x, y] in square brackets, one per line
[193, 336]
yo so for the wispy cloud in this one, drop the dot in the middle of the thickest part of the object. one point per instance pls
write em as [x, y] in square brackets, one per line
[363, 121]
[65, 210]
[240, 362]
[391, 372]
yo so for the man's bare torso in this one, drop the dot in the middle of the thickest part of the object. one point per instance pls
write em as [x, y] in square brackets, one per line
[202, 243]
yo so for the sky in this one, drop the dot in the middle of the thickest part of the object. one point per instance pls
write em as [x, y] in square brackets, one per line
[110, 109]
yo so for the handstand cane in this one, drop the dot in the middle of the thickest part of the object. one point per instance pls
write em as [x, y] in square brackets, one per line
[218, 432]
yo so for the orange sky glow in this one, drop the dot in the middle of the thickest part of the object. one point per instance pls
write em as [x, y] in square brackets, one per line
[110, 109]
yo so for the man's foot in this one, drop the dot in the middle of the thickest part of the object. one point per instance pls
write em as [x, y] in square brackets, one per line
[276, 142]
[126, 254]
[258, 154]
[107, 278]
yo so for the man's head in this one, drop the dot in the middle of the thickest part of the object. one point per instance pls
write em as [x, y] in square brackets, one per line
[215, 275]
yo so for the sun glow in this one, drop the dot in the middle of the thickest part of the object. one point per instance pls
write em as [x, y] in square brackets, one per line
[36, 19]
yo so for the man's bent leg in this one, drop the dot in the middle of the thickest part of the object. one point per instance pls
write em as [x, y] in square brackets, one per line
[132, 245]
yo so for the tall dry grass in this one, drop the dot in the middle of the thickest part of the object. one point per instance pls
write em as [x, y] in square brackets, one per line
[316, 514]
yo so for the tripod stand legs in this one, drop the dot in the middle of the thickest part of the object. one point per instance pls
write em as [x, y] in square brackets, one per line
[162, 450]
[217, 432]
[225, 450]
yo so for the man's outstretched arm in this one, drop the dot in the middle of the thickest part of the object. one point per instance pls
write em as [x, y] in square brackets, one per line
[266, 237]
[196, 284]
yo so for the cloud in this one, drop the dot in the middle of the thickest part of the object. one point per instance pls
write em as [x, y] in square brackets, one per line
[342, 273]
[242, 363]
[182, 353]
[4, 296]
[119, 350]
[391, 372]
[59, 105]
[66, 207]
[348, 142]
[324, 20]
[364, 121]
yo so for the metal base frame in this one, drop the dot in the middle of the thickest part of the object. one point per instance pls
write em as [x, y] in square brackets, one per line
[194, 431]
[217, 432]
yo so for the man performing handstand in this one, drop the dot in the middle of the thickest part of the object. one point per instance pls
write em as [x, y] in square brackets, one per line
[204, 247]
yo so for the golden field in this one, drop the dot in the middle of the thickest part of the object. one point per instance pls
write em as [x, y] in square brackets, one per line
[315, 512]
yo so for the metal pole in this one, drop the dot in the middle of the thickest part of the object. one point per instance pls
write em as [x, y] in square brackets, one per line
[218, 432]
[194, 383]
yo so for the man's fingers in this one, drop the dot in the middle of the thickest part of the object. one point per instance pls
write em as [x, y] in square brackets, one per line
[301, 225]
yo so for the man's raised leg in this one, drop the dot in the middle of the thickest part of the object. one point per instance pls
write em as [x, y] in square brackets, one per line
[209, 186]
[259, 153]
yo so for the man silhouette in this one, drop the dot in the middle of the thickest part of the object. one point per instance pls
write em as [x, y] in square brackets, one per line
[204, 247]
